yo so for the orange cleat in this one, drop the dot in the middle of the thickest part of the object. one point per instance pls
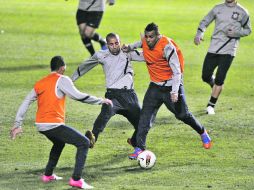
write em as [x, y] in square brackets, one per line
[207, 142]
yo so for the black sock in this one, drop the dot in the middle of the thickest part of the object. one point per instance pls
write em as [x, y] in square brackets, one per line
[212, 102]
[96, 37]
[88, 44]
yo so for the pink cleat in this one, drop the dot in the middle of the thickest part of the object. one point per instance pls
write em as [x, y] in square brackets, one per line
[50, 178]
[80, 184]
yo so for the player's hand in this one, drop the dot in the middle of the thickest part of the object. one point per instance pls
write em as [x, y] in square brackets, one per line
[126, 48]
[197, 40]
[174, 97]
[230, 32]
[111, 2]
[15, 131]
[107, 101]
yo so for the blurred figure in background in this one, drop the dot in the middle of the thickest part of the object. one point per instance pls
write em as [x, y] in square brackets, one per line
[89, 15]
[232, 22]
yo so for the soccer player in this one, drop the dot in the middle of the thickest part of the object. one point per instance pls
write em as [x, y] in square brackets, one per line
[89, 15]
[50, 94]
[165, 64]
[232, 22]
[119, 83]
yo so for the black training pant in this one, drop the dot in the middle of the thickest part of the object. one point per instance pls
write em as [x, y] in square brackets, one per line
[61, 135]
[125, 102]
[155, 96]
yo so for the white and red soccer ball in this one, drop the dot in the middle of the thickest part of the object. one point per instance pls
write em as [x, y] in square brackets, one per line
[146, 159]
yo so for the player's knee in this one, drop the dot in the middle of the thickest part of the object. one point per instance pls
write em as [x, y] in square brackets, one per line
[182, 116]
[86, 142]
[83, 142]
[82, 34]
[87, 34]
[206, 78]
[219, 82]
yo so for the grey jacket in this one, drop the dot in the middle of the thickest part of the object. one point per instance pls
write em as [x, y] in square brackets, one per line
[117, 68]
[93, 5]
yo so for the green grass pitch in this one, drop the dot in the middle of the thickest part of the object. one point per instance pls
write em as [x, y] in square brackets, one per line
[34, 31]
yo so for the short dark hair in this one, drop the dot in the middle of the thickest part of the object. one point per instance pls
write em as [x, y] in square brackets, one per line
[152, 27]
[56, 62]
[111, 35]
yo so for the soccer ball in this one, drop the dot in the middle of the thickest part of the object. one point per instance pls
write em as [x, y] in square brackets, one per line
[146, 159]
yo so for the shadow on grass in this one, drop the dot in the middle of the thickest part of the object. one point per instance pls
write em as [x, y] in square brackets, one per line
[30, 178]
[114, 167]
[30, 67]
[23, 68]
[199, 113]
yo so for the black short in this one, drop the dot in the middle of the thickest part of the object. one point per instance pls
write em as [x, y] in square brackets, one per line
[212, 61]
[91, 18]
